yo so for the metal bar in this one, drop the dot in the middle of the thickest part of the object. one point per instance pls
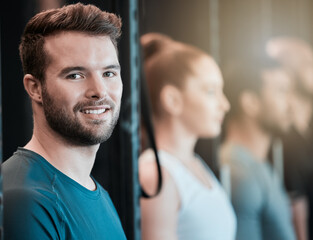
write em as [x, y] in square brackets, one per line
[1, 152]
[130, 118]
[116, 166]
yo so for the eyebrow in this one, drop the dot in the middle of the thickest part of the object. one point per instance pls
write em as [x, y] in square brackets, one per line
[79, 68]
[69, 69]
[113, 66]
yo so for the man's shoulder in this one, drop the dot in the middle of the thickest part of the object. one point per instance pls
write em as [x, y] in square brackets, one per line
[244, 168]
[19, 161]
[31, 213]
[236, 155]
[29, 196]
[25, 169]
[31, 209]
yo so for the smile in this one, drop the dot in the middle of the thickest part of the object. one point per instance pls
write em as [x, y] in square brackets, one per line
[96, 111]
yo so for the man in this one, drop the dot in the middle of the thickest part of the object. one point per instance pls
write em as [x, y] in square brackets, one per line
[258, 90]
[296, 56]
[72, 76]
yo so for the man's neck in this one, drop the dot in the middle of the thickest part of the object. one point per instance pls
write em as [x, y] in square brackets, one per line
[74, 161]
[249, 134]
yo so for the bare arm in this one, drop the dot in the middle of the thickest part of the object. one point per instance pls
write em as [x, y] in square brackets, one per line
[300, 217]
[159, 214]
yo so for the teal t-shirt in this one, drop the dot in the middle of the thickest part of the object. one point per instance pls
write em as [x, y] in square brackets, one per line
[40, 202]
[258, 196]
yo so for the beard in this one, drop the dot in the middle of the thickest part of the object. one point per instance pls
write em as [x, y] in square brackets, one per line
[274, 130]
[71, 128]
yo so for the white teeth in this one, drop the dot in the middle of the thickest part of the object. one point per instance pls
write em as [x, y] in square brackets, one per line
[99, 111]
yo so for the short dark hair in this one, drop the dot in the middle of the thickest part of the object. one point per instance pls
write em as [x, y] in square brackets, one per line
[75, 17]
[243, 74]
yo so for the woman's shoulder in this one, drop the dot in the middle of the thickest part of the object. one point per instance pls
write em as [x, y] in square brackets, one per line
[148, 172]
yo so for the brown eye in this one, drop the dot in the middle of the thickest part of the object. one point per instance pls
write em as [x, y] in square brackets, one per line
[74, 76]
[108, 74]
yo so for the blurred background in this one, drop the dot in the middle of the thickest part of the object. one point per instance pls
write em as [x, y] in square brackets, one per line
[223, 28]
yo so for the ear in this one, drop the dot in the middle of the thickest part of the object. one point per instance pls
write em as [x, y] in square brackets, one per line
[250, 103]
[33, 87]
[171, 100]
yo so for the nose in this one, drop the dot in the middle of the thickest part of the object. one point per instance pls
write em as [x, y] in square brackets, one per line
[96, 87]
[225, 103]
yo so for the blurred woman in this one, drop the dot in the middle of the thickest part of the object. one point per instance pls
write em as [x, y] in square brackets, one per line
[188, 103]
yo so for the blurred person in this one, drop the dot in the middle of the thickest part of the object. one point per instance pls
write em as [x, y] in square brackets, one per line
[186, 91]
[296, 56]
[258, 90]
[297, 154]
[72, 76]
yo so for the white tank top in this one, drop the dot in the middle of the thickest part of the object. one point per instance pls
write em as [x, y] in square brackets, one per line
[205, 213]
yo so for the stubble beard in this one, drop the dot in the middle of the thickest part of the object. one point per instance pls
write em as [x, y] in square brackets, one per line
[272, 129]
[71, 129]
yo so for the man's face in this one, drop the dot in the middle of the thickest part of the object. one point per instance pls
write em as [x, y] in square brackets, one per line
[83, 87]
[275, 106]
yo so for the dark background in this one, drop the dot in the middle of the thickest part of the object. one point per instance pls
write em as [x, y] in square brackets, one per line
[223, 28]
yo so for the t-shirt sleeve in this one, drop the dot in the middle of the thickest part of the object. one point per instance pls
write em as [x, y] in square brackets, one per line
[277, 214]
[30, 215]
[247, 201]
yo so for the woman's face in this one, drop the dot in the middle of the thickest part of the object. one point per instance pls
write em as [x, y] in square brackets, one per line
[204, 101]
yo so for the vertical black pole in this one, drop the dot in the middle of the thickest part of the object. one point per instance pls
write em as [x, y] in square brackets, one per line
[116, 166]
[1, 196]
[130, 117]
[135, 95]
